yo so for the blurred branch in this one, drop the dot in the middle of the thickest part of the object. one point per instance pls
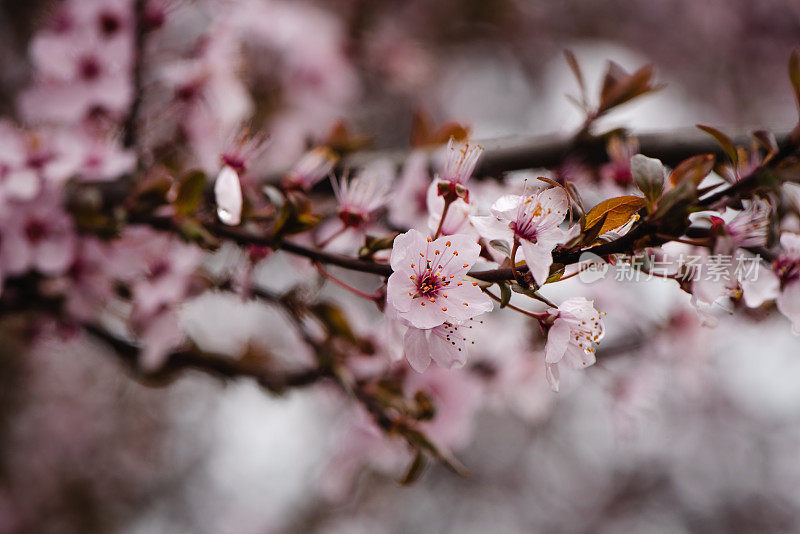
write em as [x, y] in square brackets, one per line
[503, 155]
[213, 364]
[130, 125]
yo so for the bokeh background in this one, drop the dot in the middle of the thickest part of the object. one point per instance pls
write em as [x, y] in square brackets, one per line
[678, 428]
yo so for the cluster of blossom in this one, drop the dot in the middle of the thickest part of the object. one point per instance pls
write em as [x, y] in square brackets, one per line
[454, 232]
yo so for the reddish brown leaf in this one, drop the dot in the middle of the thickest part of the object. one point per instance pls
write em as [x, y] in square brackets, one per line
[614, 212]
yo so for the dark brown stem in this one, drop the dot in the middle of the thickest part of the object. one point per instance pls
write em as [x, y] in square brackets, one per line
[130, 126]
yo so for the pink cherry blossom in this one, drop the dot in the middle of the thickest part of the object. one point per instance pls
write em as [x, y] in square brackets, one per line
[427, 287]
[312, 167]
[576, 329]
[228, 196]
[361, 196]
[443, 344]
[787, 267]
[460, 162]
[408, 201]
[532, 220]
[749, 227]
[41, 236]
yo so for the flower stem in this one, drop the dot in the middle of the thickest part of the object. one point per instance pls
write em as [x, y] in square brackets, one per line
[325, 242]
[344, 285]
[444, 214]
[537, 316]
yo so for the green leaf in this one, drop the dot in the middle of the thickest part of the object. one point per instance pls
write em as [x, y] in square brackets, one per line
[505, 294]
[190, 192]
[648, 174]
[192, 230]
[724, 141]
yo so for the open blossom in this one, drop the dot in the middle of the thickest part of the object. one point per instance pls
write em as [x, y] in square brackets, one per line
[749, 227]
[361, 196]
[427, 287]
[576, 329]
[228, 195]
[312, 167]
[787, 267]
[533, 221]
[460, 162]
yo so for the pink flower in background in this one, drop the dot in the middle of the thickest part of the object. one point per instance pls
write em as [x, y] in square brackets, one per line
[787, 267]
[79, 75]
[312, 167]
[361, 196]
[39, 235]
[19, 176]
[443, 344]
[228, 196]
[456, 397]
[571, 338]
[618, 169]
[408, 200]
[88, 284]
[532, 220]
[427, 287]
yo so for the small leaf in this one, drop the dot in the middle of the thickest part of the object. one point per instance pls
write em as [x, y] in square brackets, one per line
[373, 244]
[613, 213]
[724, 141]
[190, 192]
[767, 140]
[648, 174]
[794, 75]
[572, 61]
[620, 87]
[415, 469]
[191, 230]
[590, 235]
[334, 321]
[556, 272]
[501, 245]
[505, 295]
[692, 170]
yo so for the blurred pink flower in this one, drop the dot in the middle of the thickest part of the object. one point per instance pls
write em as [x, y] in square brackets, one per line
[361, 196]
[571, 338]
[531, 219]
[787, 267]
[442, 344]
[312, 167]
[427, 287]
[407, 205]
[38, 235]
